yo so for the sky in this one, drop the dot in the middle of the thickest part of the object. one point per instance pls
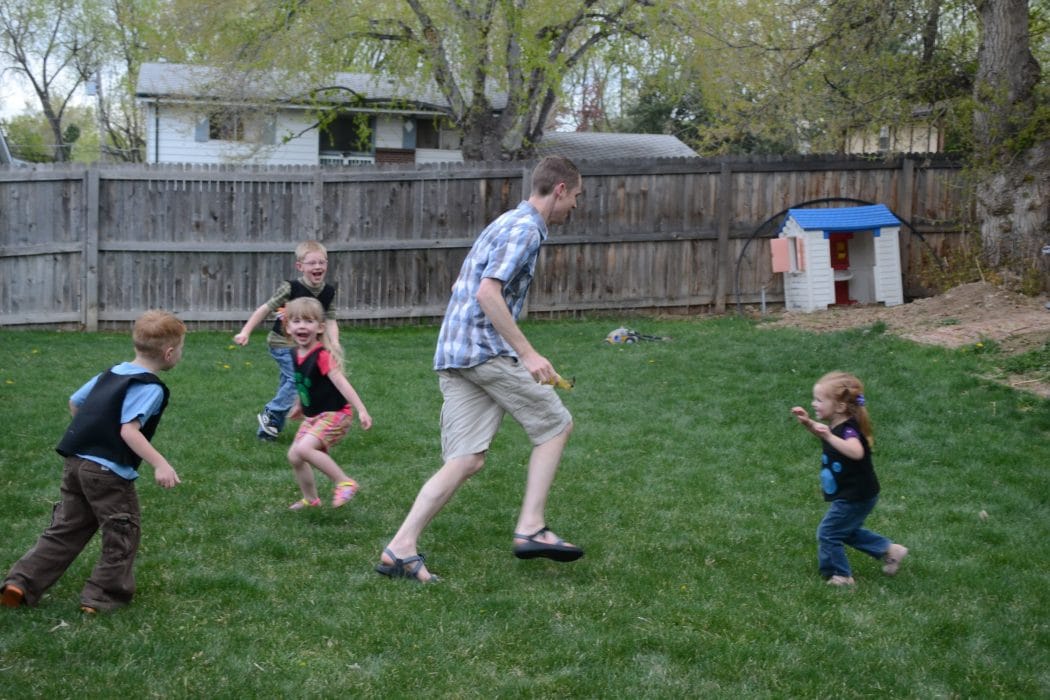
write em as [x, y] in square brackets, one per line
[14, 96]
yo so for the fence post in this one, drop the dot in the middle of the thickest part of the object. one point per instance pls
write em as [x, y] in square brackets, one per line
[91, 218]
[725, 212]
[526, 190]
[318, 205]
[905, 187]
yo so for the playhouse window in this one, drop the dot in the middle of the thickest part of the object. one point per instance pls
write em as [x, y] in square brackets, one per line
[795, 257]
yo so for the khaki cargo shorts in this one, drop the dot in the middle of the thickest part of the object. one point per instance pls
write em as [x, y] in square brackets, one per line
[477, 398]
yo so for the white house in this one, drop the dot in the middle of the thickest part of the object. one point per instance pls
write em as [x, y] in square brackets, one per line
[923, 132]
[839, 256]
[197, 114]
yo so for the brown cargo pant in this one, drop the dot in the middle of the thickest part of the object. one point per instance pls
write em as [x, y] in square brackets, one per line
[93, 498]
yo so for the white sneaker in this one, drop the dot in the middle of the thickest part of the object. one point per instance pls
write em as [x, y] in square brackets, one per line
[267, 425]
[841, 581]
[893, 557]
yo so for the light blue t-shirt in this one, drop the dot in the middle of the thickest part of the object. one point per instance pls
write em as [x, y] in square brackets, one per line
[141, 402]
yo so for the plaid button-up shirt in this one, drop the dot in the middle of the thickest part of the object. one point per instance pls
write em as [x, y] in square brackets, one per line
[506, 250]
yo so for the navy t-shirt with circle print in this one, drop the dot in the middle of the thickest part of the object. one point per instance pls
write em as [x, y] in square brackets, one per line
[842, 478]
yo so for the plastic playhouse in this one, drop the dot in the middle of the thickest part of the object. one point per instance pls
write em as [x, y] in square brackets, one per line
[839, 257]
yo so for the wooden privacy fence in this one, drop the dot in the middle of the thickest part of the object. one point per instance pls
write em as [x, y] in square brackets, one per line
[97, 245]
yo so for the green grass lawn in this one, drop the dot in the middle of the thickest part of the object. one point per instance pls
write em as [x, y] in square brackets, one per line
[687, 481]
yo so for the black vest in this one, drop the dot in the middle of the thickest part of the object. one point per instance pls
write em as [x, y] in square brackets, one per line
[299, 289]
[95, 429]
[317, 393]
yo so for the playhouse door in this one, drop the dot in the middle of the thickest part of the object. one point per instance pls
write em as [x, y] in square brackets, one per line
[839, 244]
[889, 287]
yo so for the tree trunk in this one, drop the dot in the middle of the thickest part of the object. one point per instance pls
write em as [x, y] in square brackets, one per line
[54, 122]
[1013, 192]
[480, 135]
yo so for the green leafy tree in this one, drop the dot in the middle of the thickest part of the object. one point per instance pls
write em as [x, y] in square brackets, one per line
[29, 138]
[51, 46]
[803, 74]
[472, 50]
[130, 32]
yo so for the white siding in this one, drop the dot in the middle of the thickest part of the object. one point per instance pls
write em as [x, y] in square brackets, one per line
[176, 126]
[903, 139]
[438, 155]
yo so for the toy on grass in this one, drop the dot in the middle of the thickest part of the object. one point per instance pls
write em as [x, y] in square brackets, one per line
[625, 336]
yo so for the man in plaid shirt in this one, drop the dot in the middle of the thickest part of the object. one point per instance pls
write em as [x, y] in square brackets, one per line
[487, 367]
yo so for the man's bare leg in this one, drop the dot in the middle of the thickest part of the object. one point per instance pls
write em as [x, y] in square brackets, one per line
[436, 492]
[543, 465]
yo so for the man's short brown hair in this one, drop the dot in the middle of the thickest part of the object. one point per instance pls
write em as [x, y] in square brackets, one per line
[552, 170]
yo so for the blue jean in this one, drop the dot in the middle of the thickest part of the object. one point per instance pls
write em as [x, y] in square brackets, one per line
[844, 524]
[284, 399]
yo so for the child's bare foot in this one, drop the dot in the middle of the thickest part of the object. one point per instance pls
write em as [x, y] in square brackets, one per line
[893, 557]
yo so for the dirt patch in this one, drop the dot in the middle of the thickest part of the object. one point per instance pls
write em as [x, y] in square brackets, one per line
[965, 315]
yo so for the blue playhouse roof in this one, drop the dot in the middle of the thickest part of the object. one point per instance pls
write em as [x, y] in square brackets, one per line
[844, 218]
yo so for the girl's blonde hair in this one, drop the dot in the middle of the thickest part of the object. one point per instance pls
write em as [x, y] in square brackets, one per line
[844, 387]
[309, 308]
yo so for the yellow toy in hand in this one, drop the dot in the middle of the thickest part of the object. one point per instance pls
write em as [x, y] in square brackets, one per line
[561, 382]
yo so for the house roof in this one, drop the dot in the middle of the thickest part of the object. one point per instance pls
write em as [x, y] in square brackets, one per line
[587, 145]
[190, 82]
[844, 218]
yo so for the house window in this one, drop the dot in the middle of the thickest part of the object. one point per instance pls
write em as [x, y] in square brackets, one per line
[226, 126]
[884, 139]
[252, 127]
[428, 133]
[348, 134]
[436, 132]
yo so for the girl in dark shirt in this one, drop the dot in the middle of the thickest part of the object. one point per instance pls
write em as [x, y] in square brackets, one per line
[326, 402]
[847, 478]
